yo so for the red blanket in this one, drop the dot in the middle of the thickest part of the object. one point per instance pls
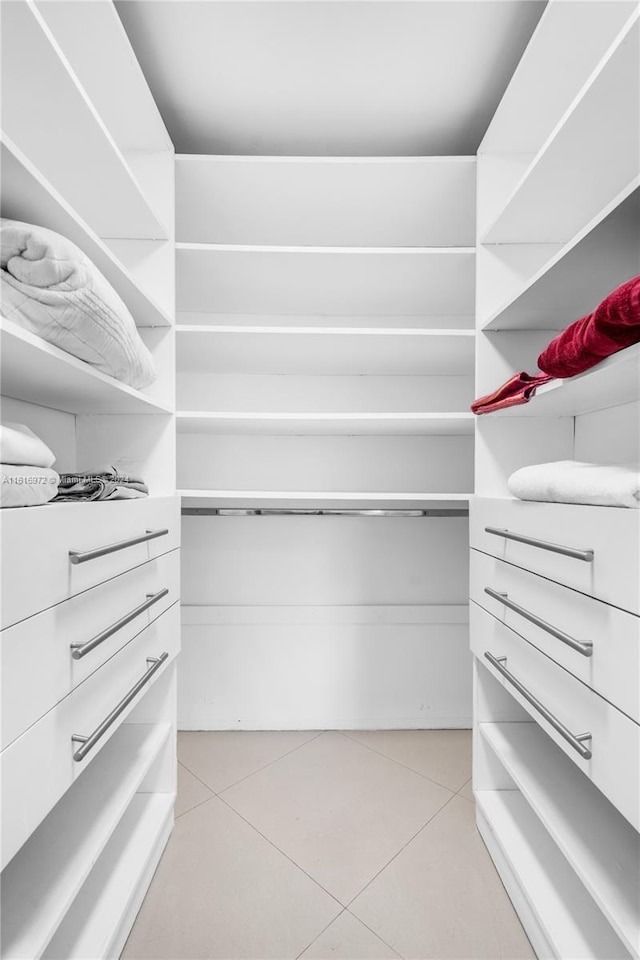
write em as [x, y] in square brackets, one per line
[613, 325]
[519, 389]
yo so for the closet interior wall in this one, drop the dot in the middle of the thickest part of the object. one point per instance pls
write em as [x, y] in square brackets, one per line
[84, 153]
[325, 357]
[557, 778]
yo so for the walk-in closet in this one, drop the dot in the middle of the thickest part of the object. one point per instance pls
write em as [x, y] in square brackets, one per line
[320, 499]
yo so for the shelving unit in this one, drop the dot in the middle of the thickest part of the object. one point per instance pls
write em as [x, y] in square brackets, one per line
[293, 499]
[308, 424]
[558, 208]
[84, 153]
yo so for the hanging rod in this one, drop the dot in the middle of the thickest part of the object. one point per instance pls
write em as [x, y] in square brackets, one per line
[310, 512]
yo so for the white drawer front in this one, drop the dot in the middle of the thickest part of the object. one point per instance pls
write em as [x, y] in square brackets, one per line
[612, 534]
[37, 665]
[607, 657]
[38, 541]
[614, 766]
[39, 767]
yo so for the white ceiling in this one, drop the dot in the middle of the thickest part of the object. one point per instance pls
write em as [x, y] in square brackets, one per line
[328, 77]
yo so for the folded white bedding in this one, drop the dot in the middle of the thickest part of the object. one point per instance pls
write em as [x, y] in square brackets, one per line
[53, 290]
[22, 486]
[573, 481]
[19, 445]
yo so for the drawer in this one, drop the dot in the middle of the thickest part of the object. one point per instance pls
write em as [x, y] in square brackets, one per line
[604, 541]
[38, 541]
[38, 767]
[614, 765]
[606, 655]
[39, 660]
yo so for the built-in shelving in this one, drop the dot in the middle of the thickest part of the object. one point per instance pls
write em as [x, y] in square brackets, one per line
[48, 872]
[358, 424]
[26, 195]
[281, 280]
[85, 165]
[332, 350]
[39, 372]
[116, 885]
[601, 846]
[612, 382]
[533, 212]
[283, 499]
[577, 276]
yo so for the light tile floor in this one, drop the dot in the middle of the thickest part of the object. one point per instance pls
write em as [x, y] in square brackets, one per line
[326, 846]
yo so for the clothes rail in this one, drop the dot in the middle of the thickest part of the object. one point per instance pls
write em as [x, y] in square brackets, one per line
[310, 512]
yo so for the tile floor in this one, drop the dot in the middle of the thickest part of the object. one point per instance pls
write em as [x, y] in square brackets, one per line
[350, 846]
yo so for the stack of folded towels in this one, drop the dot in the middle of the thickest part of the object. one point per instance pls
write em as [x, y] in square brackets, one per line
[105, 483]
[54, 291]
[573, 481]
[27, 479]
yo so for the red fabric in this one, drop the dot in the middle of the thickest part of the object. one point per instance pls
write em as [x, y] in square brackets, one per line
[519, 389]
[613, 325]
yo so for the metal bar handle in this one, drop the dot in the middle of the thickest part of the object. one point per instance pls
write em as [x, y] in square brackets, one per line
[88, 743]
[81, 556]
[585, 647]
[586, 555]
[80, 650]
[574, 740]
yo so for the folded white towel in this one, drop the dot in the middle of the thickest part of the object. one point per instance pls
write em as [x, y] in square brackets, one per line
[18, 444]
[573, 481]
[26, 486]
[53, 290]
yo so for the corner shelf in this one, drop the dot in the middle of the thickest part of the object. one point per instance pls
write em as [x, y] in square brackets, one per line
[601, 846]
[26, 195]
[312, 424]
[331, 350]
[612, 382]
[594, 167]
[42, 880]
[39, 372]
[100, 184]
[557, 904]
[339, 500]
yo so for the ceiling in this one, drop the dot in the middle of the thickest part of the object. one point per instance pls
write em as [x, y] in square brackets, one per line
[328, 77]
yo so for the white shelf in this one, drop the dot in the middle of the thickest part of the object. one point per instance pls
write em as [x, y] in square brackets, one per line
[419, 201]
[393, 281]
[314, 350]
[26, 195]
[575, 172]
[601, 846]
[98, 922]
[85, 164]
[264, 499]
[355, 424]
[612, 382]
[565, 919]
[41, 882]
[576, 278]
[39, 372]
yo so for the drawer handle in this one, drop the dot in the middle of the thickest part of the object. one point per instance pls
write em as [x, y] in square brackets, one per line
[80, 650]
[585, 647]
[88, 743]
[586, 555]
[81, 556]
[576, 741]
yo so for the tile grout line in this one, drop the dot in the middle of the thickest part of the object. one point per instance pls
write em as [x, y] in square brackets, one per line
[236, 782]
[393, 949]
[410, 840]
[286, 855]
[400, 764]
[344, 910]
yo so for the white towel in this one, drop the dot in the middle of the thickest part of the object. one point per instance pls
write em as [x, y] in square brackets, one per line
[26, 486]
[19, 445]
[573, 481]
[53, 290]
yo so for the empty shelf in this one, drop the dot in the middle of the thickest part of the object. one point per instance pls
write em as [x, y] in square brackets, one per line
[305, 424]
[292, 499]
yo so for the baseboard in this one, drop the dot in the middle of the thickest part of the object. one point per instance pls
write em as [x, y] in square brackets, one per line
[446, 723]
